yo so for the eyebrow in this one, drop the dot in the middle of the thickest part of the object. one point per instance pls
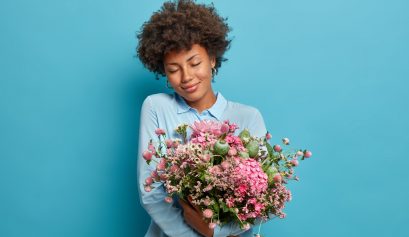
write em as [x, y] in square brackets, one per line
[186, 60]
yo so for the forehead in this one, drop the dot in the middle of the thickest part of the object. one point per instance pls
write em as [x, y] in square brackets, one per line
[184, 54]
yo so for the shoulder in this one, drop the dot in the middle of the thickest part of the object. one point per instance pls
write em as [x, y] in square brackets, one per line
[158, 100]
[243, 109]
[246, 116]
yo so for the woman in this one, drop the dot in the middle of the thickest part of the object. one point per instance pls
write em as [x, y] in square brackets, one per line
[185, 42]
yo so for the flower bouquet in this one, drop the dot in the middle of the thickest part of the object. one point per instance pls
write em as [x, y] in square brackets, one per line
[230, 178]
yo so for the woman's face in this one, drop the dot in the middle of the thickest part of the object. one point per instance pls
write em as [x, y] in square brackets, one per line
[190, 73]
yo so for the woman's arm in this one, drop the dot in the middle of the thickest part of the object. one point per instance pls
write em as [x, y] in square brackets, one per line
[165, 215]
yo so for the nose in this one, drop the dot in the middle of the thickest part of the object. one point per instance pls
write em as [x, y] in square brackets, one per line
[187, 75]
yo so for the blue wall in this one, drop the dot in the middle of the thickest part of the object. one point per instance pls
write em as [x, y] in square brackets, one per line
[330, 75]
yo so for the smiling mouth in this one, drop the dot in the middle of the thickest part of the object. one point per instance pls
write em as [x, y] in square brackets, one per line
[191, 88]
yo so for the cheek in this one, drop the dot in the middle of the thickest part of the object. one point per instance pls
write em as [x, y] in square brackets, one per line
[173, 79]
[204, 73]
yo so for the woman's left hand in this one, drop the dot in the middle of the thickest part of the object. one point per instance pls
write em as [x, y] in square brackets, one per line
[194, 217]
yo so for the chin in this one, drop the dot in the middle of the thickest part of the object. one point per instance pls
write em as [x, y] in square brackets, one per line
[193, 97]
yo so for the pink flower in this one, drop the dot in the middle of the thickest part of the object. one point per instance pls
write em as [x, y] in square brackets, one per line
[242, 189]
[174, 168]
[147, 155]
[268, 136]
[162, 165]
[232, 151]
[160, 131]
[168, 199]
[207, 201]
[229, 202]
[163, 177]
[207, 213]
[277, 178]
[148, 189]
[152, 148]
[212, 225]
[307, 154]
[176, 143]
[148, 181]
[225, 128]
[206, 157]
[277, 148]
[154, 175]
[233, 127]
[215, 169]
[249, 178]
[229, 139]
[168, 143]
[225, 165]
[294, 162]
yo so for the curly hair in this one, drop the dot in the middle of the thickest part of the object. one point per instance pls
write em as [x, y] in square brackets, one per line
[177, 26]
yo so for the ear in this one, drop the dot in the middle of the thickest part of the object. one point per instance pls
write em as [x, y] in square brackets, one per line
[213, 61]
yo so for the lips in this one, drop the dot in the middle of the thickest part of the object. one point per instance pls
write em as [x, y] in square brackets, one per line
[191, 88]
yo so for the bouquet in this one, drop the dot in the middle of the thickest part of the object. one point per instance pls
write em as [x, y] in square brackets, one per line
[230, 178]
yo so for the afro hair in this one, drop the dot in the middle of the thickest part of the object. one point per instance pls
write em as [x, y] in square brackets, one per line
[177, 26]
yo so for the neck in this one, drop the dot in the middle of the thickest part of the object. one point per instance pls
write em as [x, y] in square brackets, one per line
[204, 103]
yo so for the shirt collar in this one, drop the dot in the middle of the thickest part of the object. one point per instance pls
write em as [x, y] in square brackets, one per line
[216, 110]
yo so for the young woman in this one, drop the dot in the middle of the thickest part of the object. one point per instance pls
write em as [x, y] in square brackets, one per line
[185, 42]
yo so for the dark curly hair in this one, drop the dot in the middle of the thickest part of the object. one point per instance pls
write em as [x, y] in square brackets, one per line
[177, 26]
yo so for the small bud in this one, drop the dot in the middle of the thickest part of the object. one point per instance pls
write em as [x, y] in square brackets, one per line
[277, 178]
[307, 154]
[286, 141]
[148, 189]
[277, 148]
[268, 136]
[148, 181]
[176, 143]
[207, 213]
[160, 131]
[168, 143]
[168, 199]
[147, 155]
[232, 151]
[225, 128]
[294, 162]
[206, 157]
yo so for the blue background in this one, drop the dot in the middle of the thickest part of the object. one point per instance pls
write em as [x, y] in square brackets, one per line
[330, 75]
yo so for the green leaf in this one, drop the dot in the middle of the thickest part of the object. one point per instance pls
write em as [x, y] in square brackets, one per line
[224, 207]
[216, 207]
[269, 149]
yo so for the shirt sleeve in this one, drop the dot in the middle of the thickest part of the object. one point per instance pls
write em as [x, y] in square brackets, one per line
[167, 216]
[257, 128]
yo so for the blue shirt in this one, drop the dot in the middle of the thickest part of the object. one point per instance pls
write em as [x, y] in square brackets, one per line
[167, 111]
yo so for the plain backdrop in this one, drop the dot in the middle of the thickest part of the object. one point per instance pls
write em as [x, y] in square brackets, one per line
[331, 75]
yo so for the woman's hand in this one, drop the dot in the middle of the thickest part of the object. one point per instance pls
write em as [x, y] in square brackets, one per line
[194, 217]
